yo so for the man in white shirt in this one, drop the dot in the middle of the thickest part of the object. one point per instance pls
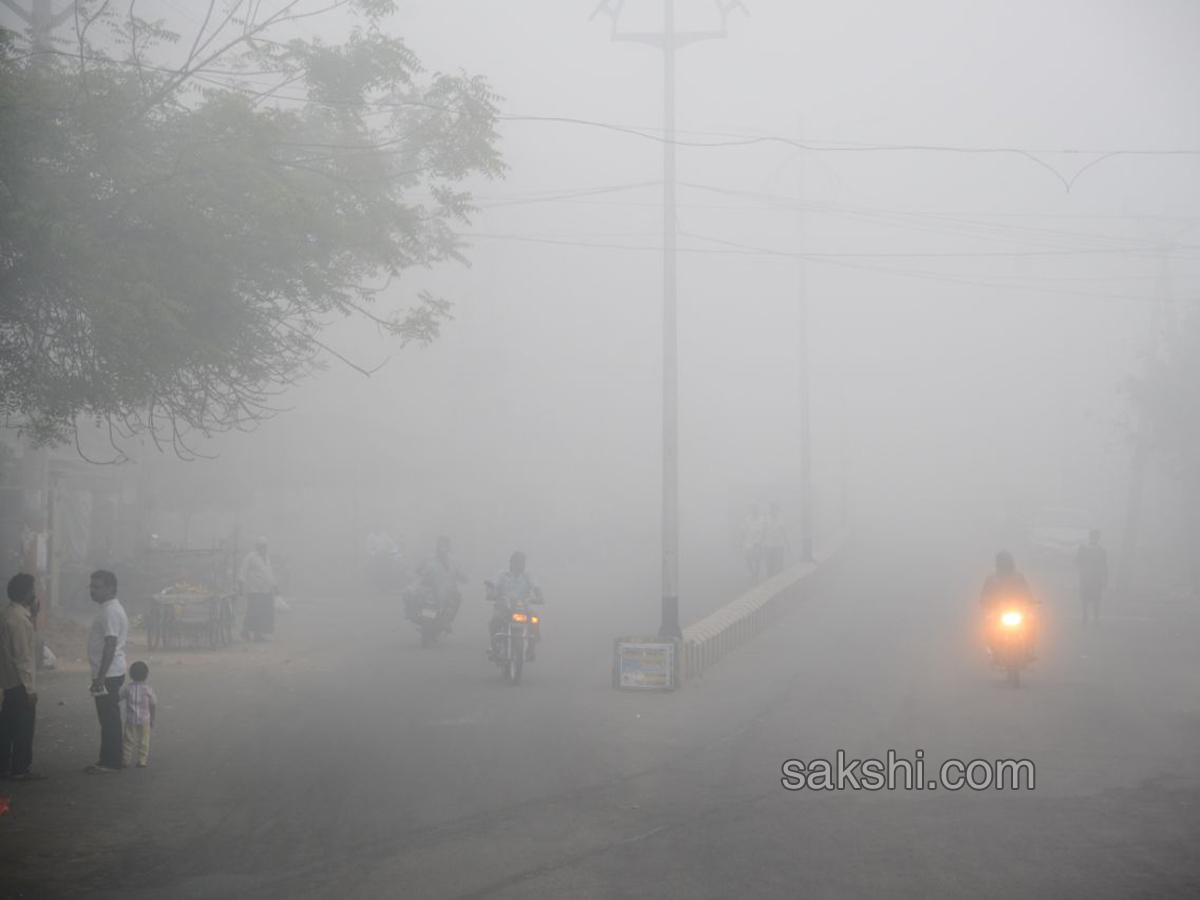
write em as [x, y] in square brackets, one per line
[106, 653]
[257, 581]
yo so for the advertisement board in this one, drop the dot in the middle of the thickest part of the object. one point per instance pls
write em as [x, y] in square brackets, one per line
[644, 665]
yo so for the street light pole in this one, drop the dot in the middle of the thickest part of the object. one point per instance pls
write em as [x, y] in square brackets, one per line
[806, 491]
[806, 488]
[669, 41]
[41, 19]
[670, 627]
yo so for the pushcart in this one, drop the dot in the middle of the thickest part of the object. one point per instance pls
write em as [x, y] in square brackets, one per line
[194, 618]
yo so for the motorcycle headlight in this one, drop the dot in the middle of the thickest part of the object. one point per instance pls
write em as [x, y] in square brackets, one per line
[520, 617]
[1011, 619]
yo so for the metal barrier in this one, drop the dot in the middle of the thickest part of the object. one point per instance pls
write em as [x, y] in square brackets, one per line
[738, 622]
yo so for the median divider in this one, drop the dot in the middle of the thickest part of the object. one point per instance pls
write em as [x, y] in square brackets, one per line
[738, 622]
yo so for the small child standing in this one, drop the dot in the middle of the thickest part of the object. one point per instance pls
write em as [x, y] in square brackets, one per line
[140, 704]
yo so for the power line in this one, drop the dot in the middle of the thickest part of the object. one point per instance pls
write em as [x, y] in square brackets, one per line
[1033, 155]
[742, 249]
[848, 261]
[998, 227]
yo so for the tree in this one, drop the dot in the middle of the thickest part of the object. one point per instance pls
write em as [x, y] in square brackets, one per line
[174, 236]
[1166, 398]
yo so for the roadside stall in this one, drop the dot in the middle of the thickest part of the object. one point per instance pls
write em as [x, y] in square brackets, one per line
[197, 606]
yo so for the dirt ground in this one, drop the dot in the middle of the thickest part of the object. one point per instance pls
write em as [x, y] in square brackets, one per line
[76, 819]
[342, 760]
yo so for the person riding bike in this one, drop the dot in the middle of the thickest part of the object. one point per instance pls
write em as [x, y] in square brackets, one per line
[514, 586]
[441, 576]
[1006, 583]
[1005, 586]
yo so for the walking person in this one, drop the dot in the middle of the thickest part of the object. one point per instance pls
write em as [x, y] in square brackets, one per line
[774, 541]
[106, 653]
[752, 537]
[1092, 562]
[256, 579]
[18, 665]
[140, 706]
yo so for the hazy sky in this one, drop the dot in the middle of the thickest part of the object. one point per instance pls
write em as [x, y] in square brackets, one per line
[971, 319]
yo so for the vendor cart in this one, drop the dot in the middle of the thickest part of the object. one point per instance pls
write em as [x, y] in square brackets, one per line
[194, 617]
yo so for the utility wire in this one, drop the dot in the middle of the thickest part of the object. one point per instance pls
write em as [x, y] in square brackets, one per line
[743, 249]
[1034, 156]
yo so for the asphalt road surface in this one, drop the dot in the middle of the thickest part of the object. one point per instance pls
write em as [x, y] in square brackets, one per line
[344, 761]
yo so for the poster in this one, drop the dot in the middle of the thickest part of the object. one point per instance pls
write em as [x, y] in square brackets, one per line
[645, 665]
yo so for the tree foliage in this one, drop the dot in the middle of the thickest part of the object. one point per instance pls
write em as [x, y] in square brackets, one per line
[181, 217]
[1166, 397]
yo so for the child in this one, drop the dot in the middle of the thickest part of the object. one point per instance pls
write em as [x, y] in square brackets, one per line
[140, 703]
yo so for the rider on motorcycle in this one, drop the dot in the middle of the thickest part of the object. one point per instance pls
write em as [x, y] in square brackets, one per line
[1005, 585]
[514, 585]
[441, 576]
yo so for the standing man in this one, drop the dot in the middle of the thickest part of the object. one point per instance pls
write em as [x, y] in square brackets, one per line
[106, 653]
[257, 582]
[774, 542]
[18, 662]
[1092, 562]
[752, 537]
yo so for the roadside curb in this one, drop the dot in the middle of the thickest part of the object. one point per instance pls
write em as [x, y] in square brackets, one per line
[736, 623]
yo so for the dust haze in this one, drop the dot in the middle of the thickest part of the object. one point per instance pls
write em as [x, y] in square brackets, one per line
[972, 320]
[974, 204]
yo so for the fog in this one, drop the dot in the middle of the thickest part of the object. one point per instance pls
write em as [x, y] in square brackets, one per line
[992, 213]
[972, 320]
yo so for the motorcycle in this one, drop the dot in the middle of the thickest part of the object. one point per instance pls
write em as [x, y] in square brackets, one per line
[1010, 632]
[423, 610]
[516, 631]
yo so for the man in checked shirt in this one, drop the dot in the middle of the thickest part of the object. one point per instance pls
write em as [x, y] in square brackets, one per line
[140, 704]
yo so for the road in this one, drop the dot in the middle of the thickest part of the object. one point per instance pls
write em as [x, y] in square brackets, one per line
[343, 761]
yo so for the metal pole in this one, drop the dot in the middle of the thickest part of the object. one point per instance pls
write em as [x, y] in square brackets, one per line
[806, 491]
[670, 493]
[669, 41]
[1140, 463]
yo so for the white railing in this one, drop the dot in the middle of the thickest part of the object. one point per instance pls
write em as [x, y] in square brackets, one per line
[736, 623]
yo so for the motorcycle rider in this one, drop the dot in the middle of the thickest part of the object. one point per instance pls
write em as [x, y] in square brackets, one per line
[1005, 585]
[514, 585]
[441, 576]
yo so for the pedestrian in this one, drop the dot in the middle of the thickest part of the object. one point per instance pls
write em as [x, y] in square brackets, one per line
[18, 665]
[1092, 562]
[257, 581]
[752, 535]
[774, 542]
[106, 653]
[140, 705]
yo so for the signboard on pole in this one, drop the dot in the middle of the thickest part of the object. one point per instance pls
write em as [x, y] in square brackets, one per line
[644, 664]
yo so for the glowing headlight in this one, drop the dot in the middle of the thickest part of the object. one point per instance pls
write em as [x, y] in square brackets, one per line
[1011, 619]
